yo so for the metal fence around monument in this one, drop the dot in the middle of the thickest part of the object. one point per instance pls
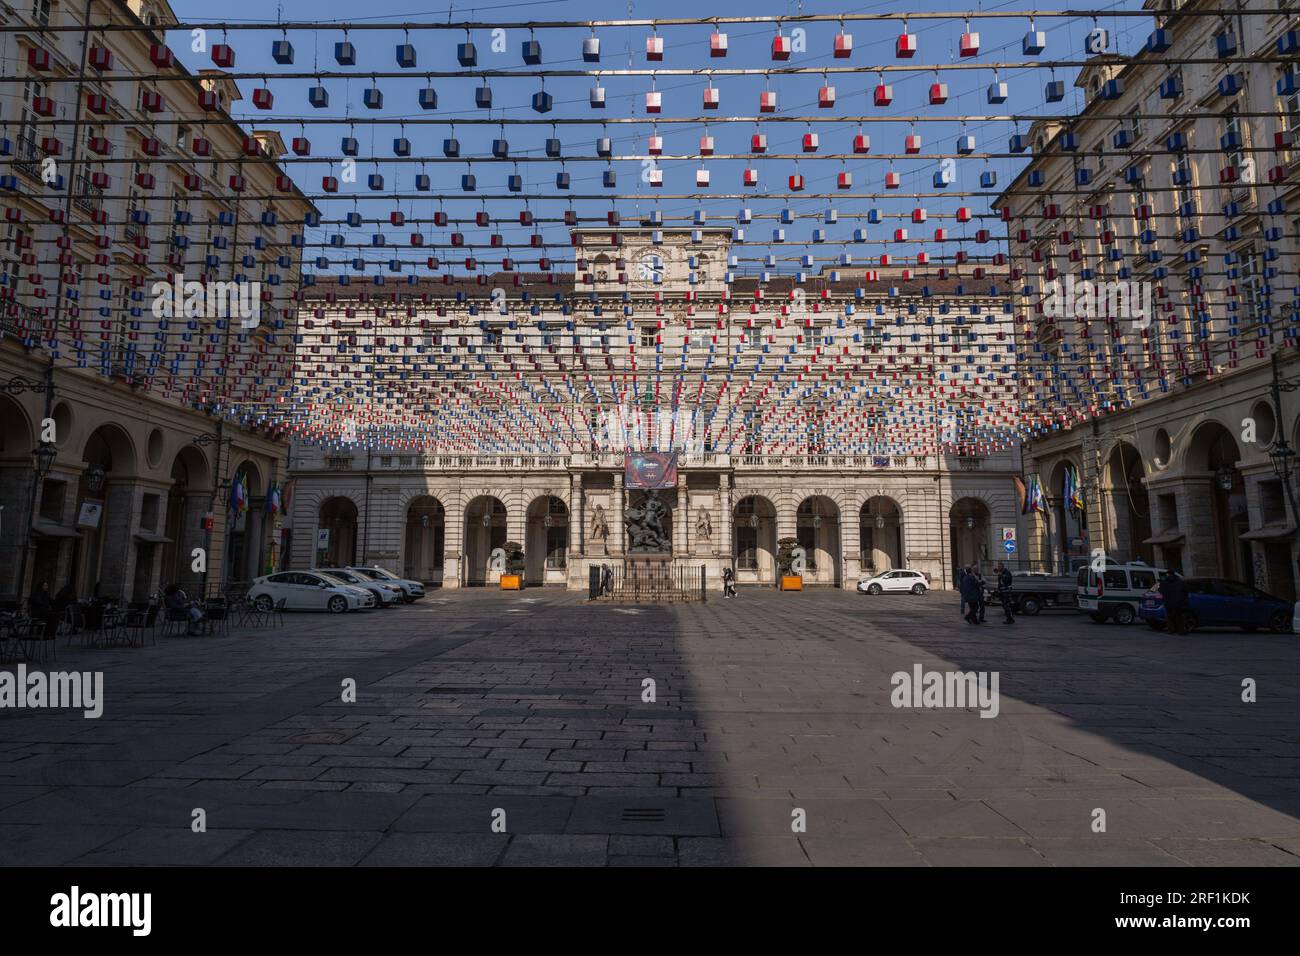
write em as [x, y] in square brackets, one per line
[662, 582]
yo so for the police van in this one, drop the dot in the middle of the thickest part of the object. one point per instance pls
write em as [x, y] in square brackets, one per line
[1112, 591]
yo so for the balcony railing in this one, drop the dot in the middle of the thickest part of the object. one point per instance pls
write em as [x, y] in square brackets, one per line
[613, 461]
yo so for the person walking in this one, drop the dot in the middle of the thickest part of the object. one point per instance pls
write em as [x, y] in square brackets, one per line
[1004, 593]
[970, 593]
[41, 608]
[961, 591]
[982, 591]
[1177, 606]
[728, 582]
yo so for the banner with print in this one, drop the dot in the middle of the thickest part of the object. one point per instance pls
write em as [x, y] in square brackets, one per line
[650, 469]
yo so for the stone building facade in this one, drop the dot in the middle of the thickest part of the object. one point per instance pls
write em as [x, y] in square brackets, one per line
[1181, 179]
[134, 436]
[437, 514]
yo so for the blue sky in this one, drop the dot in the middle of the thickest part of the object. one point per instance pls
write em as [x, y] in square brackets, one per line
[687, 49]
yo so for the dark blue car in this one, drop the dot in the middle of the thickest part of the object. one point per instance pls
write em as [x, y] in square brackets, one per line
[1218, 602]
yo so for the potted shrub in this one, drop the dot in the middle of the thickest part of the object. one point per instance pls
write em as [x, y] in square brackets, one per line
[790, 581]
[512, 579]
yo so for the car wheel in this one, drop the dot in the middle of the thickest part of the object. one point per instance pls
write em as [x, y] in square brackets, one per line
[1280, 623]
[264, 603]
[1098, 618]
[1030, 606]
[337, 604]
[873, 589]
[1124, 614]
[1156, 625]
[918, 588]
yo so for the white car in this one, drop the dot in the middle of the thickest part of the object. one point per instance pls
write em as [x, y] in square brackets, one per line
[385, 594]
[898, 580]
[412, 590]
[304, 591]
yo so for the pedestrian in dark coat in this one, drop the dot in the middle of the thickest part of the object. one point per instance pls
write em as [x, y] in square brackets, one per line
[1177, 606]
[1005, 582]
[961, 579]
[970, 593]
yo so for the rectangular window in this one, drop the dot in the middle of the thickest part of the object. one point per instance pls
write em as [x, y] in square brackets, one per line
[746, 548]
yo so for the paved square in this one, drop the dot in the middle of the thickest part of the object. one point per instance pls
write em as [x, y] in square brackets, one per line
[480, 706]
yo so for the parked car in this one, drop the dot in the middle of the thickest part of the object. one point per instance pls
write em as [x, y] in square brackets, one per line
[386, 595]
[900, 579]
[1218, 602]
[1116, 593]
[304, 591]
[411, 590]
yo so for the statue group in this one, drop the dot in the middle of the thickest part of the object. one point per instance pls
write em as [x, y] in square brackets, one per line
[645, 526]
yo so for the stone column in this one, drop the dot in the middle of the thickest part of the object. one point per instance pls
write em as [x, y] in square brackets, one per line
[850, 547]
[117, 530]
[453, 541]
[191, 537]
[722, 543]
[1195, 497]
[617, 536]
[15, 527]
[681, 521]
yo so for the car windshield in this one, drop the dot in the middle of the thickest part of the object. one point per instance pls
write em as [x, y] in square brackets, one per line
[340, 576]
[367, 573]
[381, 573]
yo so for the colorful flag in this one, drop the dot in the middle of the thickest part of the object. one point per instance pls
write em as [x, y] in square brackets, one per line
[1073, 493]
[272, 499]
[238, 495]
[1035, 500]
[1022, 494]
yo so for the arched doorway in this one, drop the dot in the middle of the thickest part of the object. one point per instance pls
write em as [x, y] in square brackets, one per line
[881, 522]
[246, 545]
[425, 540]
[546, 541]
[16, 477]
[485, 531]
[102, 557]
[187, 503]
[1130, 506]
[1070, 523]
[817, 526]
[754, 536]
[969, 528]
[1212, 457]
[338, 519]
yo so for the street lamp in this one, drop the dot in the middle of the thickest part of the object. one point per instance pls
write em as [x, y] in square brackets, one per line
[45, 453]
[95, 478]
[1225, 477]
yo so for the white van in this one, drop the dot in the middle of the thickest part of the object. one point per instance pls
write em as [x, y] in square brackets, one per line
[1116, 591]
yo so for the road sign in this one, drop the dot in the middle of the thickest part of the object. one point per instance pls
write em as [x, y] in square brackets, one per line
[1010, 546]
[322, 539]
[1008, 534]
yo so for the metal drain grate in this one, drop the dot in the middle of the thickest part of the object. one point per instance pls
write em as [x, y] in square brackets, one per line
[643, 814]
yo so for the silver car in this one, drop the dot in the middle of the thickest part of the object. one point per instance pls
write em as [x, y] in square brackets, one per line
[412, 590]
[385, 594]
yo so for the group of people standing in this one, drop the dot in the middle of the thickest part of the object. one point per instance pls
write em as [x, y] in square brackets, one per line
[971, 586]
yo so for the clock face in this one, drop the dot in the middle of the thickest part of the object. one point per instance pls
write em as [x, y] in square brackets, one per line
[650, 268]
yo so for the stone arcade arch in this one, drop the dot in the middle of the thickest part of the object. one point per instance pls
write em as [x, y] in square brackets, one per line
[1129, 505]
[754, 540]
[485, 530]
[881, 523]
[817, 526]
[969, 531]
[546, 541]
[103, 558]
[1070, 538]
[426, 535]
[338, 516]
[17, 441]
[246, 533]
[1213, 506]
[187, 503]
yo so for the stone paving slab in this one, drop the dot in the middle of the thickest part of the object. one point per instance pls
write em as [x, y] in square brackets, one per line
[766, 708]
